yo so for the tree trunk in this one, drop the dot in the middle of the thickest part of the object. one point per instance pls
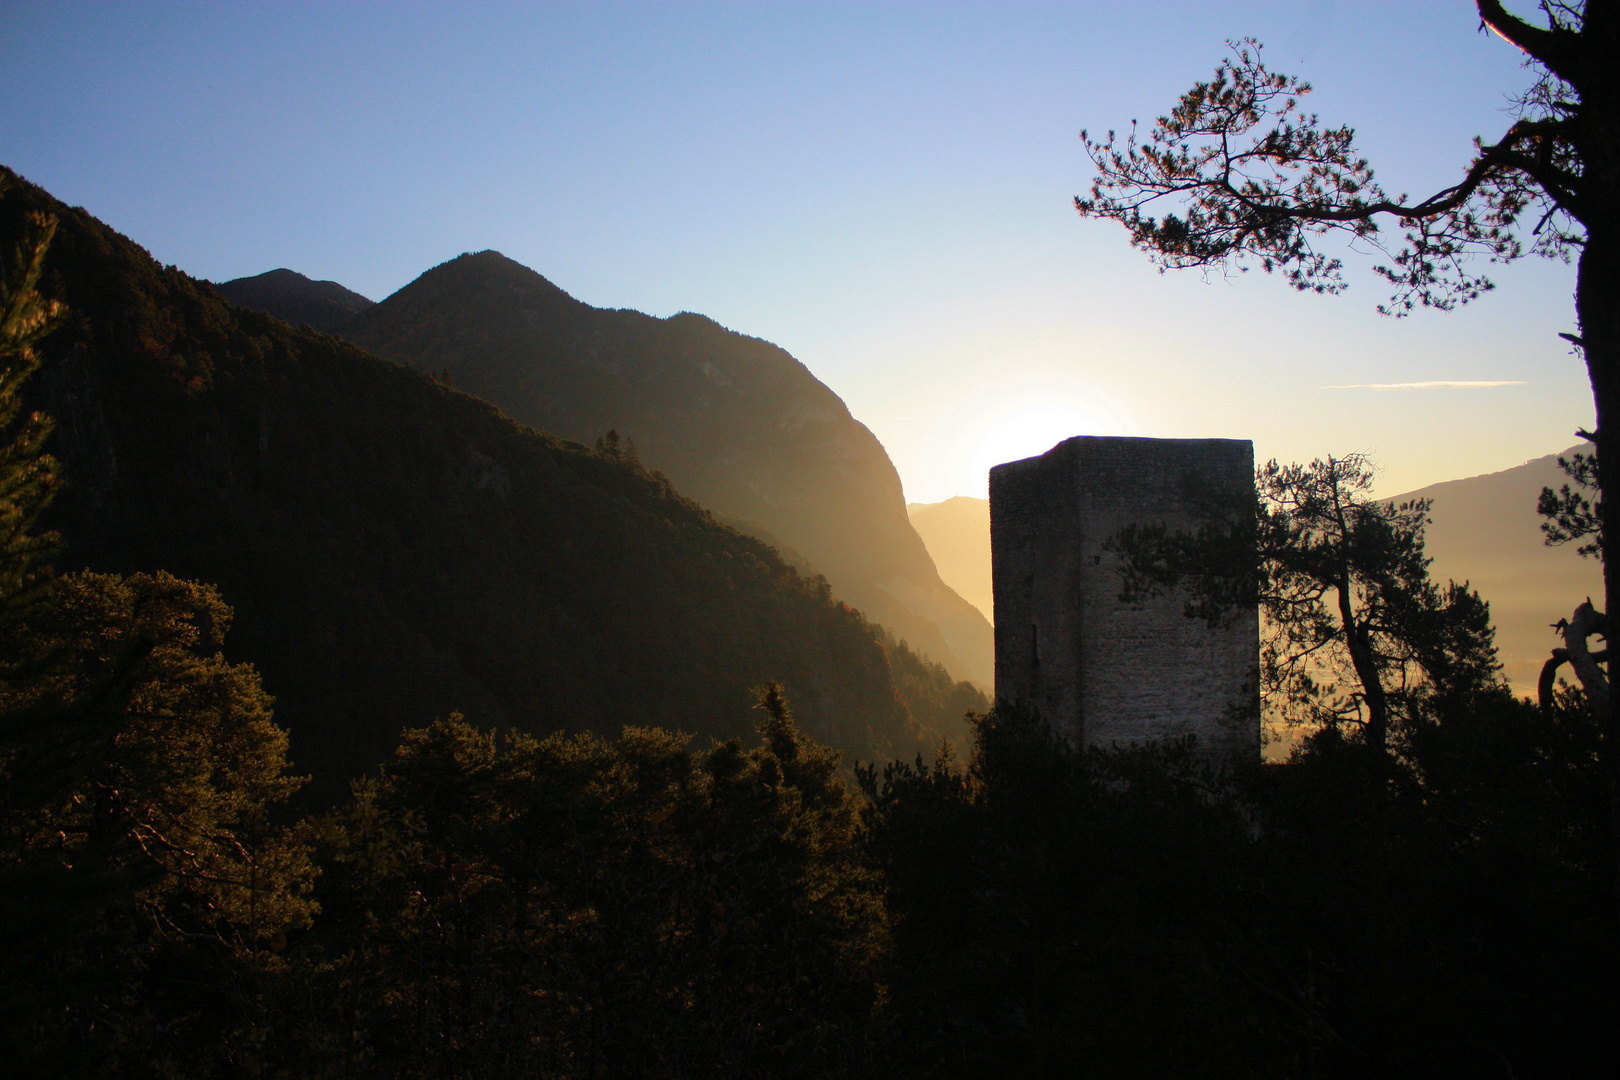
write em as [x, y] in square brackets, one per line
[1594, 680]
[1597, 303]
[1362, 657]
[1366, 665]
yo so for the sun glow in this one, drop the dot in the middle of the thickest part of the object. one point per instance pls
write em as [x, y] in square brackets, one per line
[1019, 421]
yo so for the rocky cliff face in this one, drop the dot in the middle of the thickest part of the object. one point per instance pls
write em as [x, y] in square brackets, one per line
[735, 422]
[957, 532]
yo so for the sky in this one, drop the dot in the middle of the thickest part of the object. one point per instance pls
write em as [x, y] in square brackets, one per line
[883, 189]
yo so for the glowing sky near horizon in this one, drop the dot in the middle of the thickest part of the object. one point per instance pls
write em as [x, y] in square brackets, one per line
[883, 189]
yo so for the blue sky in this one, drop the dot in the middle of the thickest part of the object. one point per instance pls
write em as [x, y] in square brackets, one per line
[883, 189]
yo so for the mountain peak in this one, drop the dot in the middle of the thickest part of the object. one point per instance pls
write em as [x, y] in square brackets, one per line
[735, 422]
[295, 299]
[484, 270]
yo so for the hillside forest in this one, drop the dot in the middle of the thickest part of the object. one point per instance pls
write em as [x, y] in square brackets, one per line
[349, 727]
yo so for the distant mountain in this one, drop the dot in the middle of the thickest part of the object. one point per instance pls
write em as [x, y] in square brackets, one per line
[1484, 530]
[395, 549]
[735, 422]
[295, 299]
[957, 532]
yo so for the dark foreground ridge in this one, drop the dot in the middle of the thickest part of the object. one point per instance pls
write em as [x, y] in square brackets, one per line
[395, 549]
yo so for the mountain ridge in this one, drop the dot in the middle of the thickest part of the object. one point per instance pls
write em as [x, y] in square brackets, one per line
[295, 299]
[395, 549]
[736, 422]
[1484, 529]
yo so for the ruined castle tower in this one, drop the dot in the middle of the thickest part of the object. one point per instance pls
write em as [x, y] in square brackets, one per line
[1098, 669]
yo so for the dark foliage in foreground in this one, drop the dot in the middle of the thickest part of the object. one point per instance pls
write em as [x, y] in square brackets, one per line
[583, 907]
[1140, 912]
[146, 885]
[499, 905]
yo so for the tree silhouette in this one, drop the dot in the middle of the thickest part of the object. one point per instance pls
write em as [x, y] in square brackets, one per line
[1252, 178]
[1356, 633]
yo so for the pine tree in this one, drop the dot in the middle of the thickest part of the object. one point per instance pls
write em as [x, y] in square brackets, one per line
[27, 474]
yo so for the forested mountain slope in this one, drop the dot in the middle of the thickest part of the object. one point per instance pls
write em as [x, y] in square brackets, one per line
[735, 422]
[395, 549]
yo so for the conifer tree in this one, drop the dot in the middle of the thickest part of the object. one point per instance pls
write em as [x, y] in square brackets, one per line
[1357, 634]
[145, 887]
[138, 859]
[27, 473]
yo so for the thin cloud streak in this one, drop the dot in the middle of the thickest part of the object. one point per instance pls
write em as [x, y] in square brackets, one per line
[1437, 384]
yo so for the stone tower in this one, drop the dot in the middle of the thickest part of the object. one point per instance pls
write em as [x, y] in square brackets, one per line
[1098, 669]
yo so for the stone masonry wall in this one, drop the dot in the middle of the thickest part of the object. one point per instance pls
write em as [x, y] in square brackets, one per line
[1099, 670]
